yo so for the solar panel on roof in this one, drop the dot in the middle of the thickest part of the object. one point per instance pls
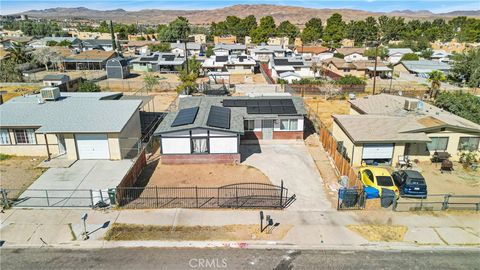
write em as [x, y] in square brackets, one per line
[263, 102]
[289, 110]
[252, 102]
[168, 57]
[219, 117]
[221, 58]
[277, 109]
[185, 117]
[253, 110]
[265, 109]
[150, 58]
[287, 102]
[275, 102]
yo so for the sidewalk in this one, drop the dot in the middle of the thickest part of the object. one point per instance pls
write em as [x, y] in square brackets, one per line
[311, 229]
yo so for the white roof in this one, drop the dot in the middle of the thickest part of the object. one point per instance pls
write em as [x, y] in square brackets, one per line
[288, 74]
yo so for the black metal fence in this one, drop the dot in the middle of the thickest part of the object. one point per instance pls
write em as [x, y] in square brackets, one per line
[351, 199]
[245, 195]
[438, 202]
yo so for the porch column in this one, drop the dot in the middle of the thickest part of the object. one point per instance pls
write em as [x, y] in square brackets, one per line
[48, 149]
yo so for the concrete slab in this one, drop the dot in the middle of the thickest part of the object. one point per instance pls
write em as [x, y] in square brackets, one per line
[293, 164]
[51, 234]
[17, 233]
[423, 236]
[70, 187]
[45, 216]
[457, 236]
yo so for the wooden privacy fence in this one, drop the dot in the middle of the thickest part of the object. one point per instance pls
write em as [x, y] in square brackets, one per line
[330, 145]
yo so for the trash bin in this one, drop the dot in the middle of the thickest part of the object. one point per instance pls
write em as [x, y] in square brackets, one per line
[112, 194]
[387, 197]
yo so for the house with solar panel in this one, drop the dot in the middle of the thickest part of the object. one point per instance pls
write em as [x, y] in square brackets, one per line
[210, 129]
[222, 49]
[233, 64]
[159, 62]
[295, 64]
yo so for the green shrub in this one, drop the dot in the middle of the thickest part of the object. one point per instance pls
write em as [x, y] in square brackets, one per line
[351, 80]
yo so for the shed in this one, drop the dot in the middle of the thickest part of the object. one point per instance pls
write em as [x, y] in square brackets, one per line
[117, 68]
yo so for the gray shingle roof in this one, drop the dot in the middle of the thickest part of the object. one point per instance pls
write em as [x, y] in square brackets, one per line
[72, 113]
[238, 114]
[54, 77]
[425, 66]
[190, 46]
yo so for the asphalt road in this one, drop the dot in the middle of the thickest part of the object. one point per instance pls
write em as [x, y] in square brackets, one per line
[157, 258]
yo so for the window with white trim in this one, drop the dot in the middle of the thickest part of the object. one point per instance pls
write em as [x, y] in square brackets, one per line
[468, 143]
[289, 124]
[438, 143]
[4, 136]
[25, 136]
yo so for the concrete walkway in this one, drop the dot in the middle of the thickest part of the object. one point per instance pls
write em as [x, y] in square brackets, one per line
[310, 229]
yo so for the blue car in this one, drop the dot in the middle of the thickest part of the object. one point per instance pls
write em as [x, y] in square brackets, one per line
[410, 183]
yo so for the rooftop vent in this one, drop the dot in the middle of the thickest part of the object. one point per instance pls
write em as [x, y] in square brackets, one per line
[410, 105]
[50, 93]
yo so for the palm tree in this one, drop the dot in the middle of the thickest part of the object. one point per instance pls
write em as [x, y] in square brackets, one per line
[436, 78]
[18, 53]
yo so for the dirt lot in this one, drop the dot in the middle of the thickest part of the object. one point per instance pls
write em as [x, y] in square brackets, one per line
[202, 175]
[15, 91]
[129, 232]
[19, 172]
[73, 74]
[325, 108]
[458, 181]
[161, 101]
[167, 82]
[241, 79]
[380, 232]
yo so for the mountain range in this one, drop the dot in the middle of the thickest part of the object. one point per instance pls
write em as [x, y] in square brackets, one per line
[296, 15]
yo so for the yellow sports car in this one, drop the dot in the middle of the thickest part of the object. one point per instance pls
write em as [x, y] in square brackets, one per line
[378, 178]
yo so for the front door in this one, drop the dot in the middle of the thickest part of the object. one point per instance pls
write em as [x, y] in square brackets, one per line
[267, 129]
[61, 144]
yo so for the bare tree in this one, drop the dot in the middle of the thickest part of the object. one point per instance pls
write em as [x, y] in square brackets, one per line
[43, 56]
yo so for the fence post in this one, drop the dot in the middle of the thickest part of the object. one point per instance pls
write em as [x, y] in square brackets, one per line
[91, 198]
[46, 195]
[4, 198]
[236, 194]
[394, 206]
[281, 194]
[196, 195]
[156, 194]
[445, 201]
[101, 195]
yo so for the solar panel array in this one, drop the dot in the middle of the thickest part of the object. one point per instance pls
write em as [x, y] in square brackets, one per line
[185, 117]
[221, 58]
[285, 62]
[263, 106]
[219, 117]
[150, 58]
[168, 57]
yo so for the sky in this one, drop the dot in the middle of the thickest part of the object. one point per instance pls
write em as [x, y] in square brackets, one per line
[437, 6]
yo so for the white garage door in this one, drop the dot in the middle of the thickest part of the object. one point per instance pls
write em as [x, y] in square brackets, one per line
[92, 146]
[377, 151]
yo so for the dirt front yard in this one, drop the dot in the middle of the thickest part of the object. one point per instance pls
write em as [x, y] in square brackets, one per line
[202, 175]
[459, 181]
[19, 173]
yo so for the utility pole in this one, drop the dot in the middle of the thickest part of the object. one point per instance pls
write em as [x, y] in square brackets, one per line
[186, 53]
[114, 44]
[375, 67]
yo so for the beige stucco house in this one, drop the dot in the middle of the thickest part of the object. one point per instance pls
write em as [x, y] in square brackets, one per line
[382, 128]
[71, 125]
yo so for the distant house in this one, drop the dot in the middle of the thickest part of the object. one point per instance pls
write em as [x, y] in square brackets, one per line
[55, 79]
[421, 67]
[441, 55]
[194, 49]
[290, 76]
[224, 40]
[117, 68]
[97, 44]
[233, 64]
[317, 53]
[221, 49]
[263, 52]
[278, 41]
[73, 125]
[363, 68]
[351, 54]
[41, 43]
[88, 60]
[199, 38]
[295, 64]
[396, 54]
[7, 43]
[159, 62]
[382, 128]
[209, 129]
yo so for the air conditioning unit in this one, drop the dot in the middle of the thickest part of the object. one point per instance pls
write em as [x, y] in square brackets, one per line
[410, 105]
[50, 93]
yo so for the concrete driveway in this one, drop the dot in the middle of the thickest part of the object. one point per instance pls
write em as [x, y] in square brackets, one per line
[71, 186]
[292, 163]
